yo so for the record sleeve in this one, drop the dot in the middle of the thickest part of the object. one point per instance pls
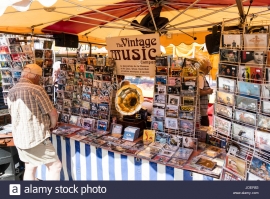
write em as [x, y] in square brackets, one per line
[157, 125]
[243, 133]
[161, 159]
[175, 140]
[255, 41]
[160, 89]
[73, 119]
[253, 57]
[190, 142]
[232, 41]
[231, 56]
[227, 70]
[171, 111]
[176, 162]
[162, 137]
[186, 126]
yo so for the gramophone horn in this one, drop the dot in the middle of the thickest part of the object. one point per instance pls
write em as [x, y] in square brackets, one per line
[129, 99]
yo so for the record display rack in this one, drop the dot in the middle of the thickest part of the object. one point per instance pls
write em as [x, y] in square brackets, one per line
[84, 92]
[175, 99]
[242, 106]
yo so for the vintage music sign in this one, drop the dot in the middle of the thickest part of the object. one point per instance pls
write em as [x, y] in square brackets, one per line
[134, 55]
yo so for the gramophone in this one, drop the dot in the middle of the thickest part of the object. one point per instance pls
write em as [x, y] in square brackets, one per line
[128, 102]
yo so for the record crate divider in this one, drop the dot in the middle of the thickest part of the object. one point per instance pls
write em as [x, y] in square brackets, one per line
[196, 112]
[247, 151]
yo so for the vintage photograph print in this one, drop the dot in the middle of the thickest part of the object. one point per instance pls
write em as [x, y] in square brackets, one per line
[226, 84]
[223, 110]
[225, 98]
[247, 88]
[227, 70]
[236, 165]
[231, 56]
[243, 134]
[246, 103]
[262, 140]
[245, 117]
[255, 42]
[232, 41]
[222, 126]
[260, 168]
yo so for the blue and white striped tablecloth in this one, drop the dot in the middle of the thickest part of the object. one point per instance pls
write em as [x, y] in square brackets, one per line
[85, 162]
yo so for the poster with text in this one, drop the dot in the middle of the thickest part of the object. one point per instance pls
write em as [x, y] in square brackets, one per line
[134, 55]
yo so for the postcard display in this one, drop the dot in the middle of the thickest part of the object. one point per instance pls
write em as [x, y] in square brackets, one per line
[84, 92]
[242, 108]
[14, 55]
[174, 115]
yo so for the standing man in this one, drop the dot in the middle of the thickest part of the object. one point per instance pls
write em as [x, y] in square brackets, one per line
[33, 114]
[205, 90]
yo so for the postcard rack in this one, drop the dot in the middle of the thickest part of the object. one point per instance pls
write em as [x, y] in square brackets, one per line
[242, 108]
[17, 51]
[175, 97]
[84, 95]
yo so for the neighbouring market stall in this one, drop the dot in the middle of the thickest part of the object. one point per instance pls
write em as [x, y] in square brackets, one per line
[165, 142]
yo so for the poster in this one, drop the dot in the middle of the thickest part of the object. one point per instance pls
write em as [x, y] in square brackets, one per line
[134, 55]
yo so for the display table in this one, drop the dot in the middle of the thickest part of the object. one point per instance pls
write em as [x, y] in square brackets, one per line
[85, 162]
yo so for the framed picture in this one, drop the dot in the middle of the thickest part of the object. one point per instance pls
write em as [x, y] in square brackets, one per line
[157, 125]
[248, 88]
[231, 56]
[266, 90]
[255, 42]
[262, 140]
[173, 100]
[225, 98]
[243, 133]
[253, 57]
[264, 121]
[245, 117]
[236, 165]
[265, 107]
[223, 110]
[171, 123]
[222, 126]
[260, 168]
[232, 41]
[225, 84]
[227, 70]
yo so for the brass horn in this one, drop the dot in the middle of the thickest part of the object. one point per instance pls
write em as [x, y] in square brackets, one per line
[129, 99]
